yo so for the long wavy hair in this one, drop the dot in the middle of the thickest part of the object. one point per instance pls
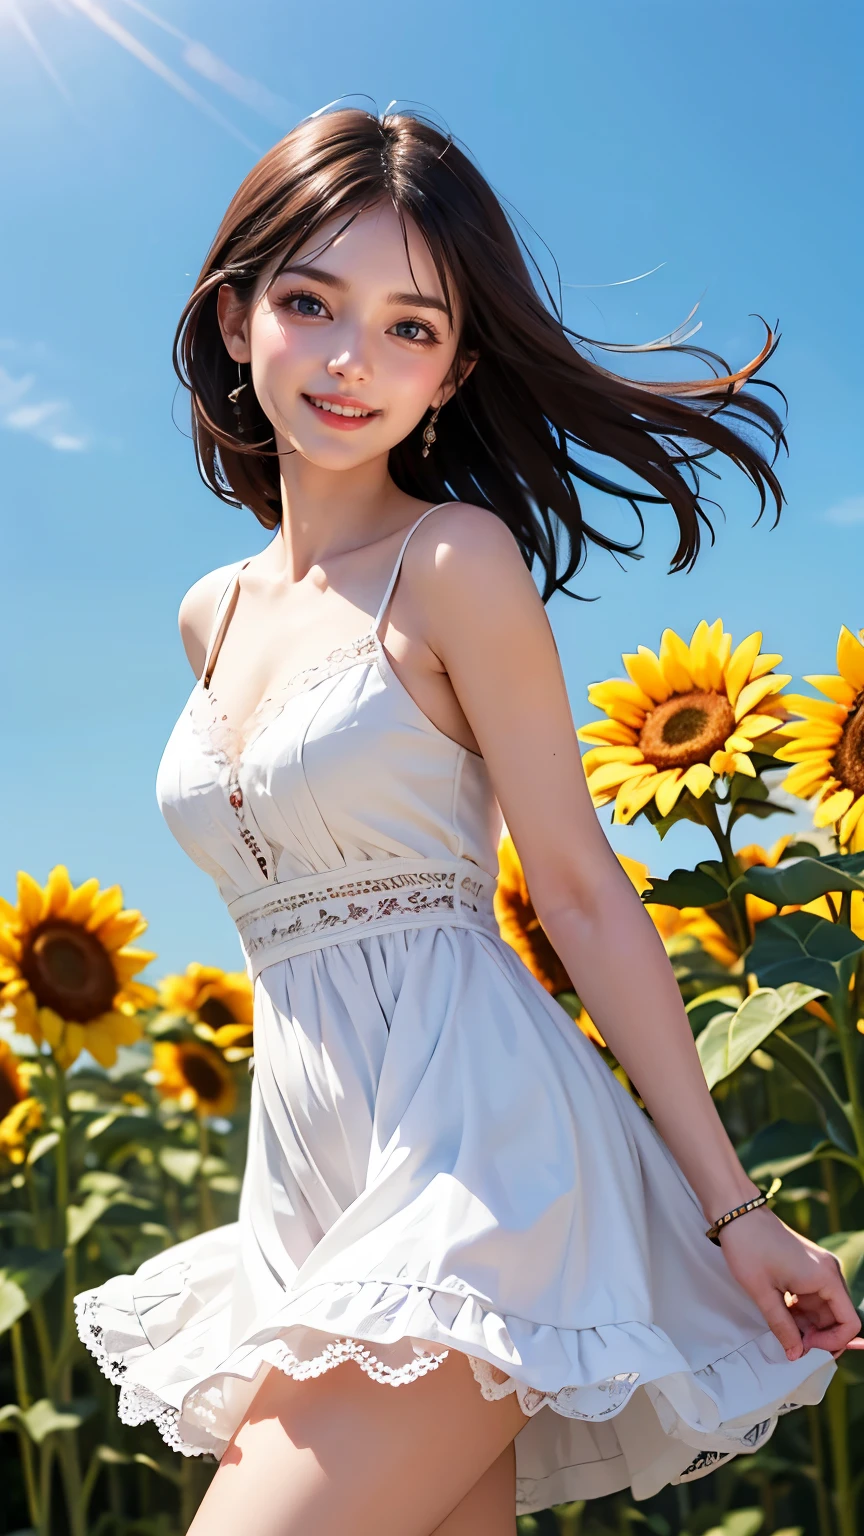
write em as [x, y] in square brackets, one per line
[514, 436]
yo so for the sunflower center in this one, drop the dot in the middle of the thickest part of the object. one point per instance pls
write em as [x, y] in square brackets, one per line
[69, 970]
[689, 728]
[203, 1076]
[215, 1013]
[849, 757]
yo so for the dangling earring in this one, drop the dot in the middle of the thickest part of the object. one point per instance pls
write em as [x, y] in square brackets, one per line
[234, 397]
[429, 432]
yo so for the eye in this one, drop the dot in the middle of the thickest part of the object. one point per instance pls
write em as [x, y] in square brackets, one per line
[306, 304]
[419, 332]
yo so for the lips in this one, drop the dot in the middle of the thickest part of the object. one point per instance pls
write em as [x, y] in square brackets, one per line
[342, 412]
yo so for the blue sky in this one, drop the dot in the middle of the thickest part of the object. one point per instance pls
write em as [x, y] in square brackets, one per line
[723, 142]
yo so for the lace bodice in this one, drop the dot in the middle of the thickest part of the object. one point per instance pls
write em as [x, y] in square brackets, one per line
[338, 765]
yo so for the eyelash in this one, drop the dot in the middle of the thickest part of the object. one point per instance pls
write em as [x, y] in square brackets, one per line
[432, 338]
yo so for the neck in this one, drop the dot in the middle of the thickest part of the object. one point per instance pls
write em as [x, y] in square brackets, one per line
[327, 511]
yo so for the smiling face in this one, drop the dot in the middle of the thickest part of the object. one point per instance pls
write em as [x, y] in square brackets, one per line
[351, 344]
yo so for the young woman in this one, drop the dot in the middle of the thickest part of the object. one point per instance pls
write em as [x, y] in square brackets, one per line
[447, 1191]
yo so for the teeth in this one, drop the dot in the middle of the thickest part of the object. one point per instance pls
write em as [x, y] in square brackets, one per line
[338, 410]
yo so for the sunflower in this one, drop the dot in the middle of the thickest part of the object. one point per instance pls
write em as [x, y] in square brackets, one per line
[520, 926]
[194, 1074]
[218, 1005]
[66, 970]
[20, 1115]
[827, 745]
[684, 718]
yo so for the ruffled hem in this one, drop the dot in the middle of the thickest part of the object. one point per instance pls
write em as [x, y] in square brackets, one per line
[397, 1331]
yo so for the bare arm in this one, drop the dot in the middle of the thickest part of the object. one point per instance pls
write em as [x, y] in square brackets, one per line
[483, 617]
[197, 613]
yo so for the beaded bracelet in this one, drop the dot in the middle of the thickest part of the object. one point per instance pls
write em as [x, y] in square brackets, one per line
[740, 1210]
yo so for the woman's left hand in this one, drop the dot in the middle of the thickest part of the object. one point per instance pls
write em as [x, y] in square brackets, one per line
[797, 1286]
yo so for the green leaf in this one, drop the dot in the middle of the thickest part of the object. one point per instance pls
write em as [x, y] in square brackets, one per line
[795, 883]
[684, 809]
[743, 787]
[26, 1274]
[732, 1036]
[180, 1163]
[41, 1145]
[703, 886]
[849, 863]
[46, 1418]
[739, 1522]
[80, 1218]
[821, 1090]
[760, 808]
[848, 1247]
[780, 1149]
[702, 1009]
[805, 948]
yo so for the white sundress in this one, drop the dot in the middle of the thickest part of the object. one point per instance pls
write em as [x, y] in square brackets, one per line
[438, 1159]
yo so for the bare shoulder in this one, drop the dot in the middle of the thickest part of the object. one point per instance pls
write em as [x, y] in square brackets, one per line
[465, 554]
[198, 611]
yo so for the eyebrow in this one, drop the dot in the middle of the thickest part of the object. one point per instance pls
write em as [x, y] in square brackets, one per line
[318, 275]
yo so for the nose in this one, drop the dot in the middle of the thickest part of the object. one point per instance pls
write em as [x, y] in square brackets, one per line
[349, 366]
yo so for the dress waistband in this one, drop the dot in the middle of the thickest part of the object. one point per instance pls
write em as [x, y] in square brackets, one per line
[314, 911]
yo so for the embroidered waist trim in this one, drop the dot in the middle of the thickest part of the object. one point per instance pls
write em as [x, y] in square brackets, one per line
[314, 911]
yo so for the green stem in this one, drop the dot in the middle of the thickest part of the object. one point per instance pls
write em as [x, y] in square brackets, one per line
[847, 1035]
[62, 1373]
[71, 1474]
[829, 1178]
[22, 1392]
[205, 1194]
[46, 1458]
[710, 819]
[838, 1427]
[823, 1502]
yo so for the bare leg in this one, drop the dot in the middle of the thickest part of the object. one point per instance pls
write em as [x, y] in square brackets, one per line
[343, 1452]
[488, 1509]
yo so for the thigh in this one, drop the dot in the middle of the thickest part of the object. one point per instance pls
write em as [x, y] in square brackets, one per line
[489, 1508]
[342, 1452]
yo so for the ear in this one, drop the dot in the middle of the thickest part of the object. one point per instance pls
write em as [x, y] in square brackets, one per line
[450, 385]
[233, 323]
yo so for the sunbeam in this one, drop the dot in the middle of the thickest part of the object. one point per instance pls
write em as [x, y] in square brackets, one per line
[38, 51]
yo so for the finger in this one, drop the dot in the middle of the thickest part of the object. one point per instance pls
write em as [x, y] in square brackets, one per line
[781, 1322]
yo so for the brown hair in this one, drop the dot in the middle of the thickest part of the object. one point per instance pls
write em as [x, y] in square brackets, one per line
[511, 436]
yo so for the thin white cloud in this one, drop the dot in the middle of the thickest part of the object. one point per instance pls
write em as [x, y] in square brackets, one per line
[46, 420]
[198, 57]
[847, 512]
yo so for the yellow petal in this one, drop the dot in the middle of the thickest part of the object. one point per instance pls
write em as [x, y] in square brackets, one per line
[52, 1026]
[755, 726]
[645, 670]
[128, 962]
[635, 870]
[106, 905]
[850, 658]
[633, 796]
[8, 913]
[598, 755]
[699, 651]
[832, 808]
[817, 731]
[765, 663]
[607, 731]
[621, 701]
[753, 693]
[717, 655]
[815, 709]
[613, 774]
[851, 820]
[722, 763]
[675, 662]
[698, 778]
[31, 899]
[81, 901]
[667, 792]
[743, 764]
[10, 946]
[739, 664]
[102, 1041]
[801, 752]
[836, 688]
[738, 743]
[804, 779]
[120, 930]
[74, 1042]
[57, 891]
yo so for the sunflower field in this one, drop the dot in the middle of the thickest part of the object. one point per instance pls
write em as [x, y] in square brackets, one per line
[123, 1106]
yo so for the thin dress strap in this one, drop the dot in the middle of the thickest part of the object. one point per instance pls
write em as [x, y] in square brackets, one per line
[214, 645]
[398, 566]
